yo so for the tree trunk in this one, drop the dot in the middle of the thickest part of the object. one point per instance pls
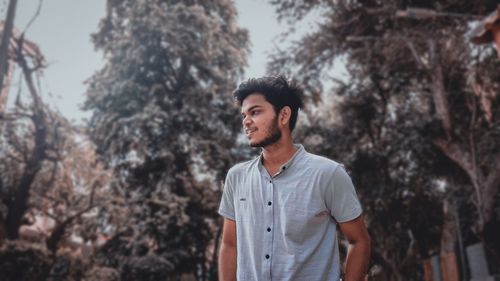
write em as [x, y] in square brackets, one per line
[19, 204]
[448, 241]
[486, 186]
[439, 91]
[4, 44]
[4, 92]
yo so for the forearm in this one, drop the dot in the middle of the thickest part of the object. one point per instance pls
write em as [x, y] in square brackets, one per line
[227, 263]
[358, 256]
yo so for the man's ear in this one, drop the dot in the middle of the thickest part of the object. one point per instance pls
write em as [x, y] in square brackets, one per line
[285, 115]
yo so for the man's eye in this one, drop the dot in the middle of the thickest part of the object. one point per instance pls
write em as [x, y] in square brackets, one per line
[255, 112]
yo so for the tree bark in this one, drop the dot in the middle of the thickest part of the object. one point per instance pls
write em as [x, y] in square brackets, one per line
[4, 92]
[490, 190]
[448, 240]
[4, 44]
[439, 90]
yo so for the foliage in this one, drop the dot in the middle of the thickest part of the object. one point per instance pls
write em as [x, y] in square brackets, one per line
[22, 262]
[163, 120]
[418, 116]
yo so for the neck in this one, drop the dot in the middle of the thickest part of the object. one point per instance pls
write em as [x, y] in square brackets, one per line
[278, 153]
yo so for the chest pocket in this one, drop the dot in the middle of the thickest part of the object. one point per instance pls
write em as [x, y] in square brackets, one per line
[301, 213]
[243, 208]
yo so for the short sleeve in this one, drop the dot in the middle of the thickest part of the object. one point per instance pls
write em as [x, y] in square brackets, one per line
[341, 198]
[226, 208]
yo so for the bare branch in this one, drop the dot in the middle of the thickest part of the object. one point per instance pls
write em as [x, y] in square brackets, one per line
[457, 155]
[48, 214]
[414, 52]
[35, 16]
[439, 90]
[60, 229]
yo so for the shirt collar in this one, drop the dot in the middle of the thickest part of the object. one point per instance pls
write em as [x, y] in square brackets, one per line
[296, 156]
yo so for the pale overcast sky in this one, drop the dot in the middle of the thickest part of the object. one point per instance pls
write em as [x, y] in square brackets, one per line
[63, 28]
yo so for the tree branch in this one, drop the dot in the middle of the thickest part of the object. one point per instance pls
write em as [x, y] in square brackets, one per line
[490, 190]
[439, 90]
[457, 155]
[59, 231]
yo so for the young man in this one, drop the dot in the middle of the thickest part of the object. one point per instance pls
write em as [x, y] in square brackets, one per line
[281, 209]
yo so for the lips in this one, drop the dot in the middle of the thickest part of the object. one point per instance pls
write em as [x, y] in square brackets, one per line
[248, 132]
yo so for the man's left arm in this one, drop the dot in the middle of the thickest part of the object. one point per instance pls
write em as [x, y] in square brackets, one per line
[358, 253]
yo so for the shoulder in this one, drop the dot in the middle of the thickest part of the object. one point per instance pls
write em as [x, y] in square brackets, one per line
[326, 168]
[242, 168]
[322, 163]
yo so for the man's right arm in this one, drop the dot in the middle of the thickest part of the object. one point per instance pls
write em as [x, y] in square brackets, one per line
[227, 253]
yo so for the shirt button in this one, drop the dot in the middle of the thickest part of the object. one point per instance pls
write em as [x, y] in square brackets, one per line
[267, 257]
[269, 203]
[268, 229]
[270, 181]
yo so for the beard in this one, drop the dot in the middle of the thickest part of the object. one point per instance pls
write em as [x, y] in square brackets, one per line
[273, 135]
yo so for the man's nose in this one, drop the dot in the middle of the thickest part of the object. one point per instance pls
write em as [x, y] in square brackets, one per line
[246, 121]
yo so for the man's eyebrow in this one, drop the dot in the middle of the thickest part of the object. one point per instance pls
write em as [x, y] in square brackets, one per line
[252, 108]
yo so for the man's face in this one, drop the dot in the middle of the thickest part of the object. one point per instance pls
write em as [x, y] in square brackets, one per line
[260, 121]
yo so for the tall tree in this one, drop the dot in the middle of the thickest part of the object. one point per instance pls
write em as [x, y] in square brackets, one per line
[418, 114]
[51, 181]
[163, 118]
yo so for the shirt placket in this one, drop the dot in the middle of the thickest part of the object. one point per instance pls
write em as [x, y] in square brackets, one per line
[268, 227]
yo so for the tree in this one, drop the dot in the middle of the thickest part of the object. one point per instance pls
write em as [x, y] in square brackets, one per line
[51, 182]
[419, 112]
[36, 137]
[163, 119]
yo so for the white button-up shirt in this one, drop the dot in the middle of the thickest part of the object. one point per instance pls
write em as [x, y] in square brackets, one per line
[285, 224]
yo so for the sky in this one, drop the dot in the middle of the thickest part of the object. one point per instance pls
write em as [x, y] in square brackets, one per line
[63, 28]
[62, 31]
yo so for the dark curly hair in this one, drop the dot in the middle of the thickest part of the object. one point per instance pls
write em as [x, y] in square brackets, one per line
[277, 90]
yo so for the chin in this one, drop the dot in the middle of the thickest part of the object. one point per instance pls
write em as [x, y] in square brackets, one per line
[253, 141]
[254, 144]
